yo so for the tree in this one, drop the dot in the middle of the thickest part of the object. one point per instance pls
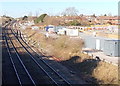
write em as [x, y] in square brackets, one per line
[70, 11]
[37, 13]
[110, 14]
[24, 18]
[93, 15]
[10, 19]
[30, 14]
[40, 18]
[105, 15]
[81, 15]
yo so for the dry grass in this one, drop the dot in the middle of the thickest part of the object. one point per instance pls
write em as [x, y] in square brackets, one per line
[65, 48]
[61, 47]
[106, 72]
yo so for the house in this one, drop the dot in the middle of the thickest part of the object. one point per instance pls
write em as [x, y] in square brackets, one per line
[69, 31]
[35, 27]
[113, 20]
[72, 32]
[29, 23]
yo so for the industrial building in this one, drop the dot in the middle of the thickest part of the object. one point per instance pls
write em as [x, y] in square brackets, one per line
[112, 48]
[109, 46]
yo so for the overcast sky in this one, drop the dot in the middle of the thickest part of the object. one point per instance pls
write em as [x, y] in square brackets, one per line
[87, 7]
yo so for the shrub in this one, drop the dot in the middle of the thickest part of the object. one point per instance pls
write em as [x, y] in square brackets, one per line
[74, 23]
[40, 18]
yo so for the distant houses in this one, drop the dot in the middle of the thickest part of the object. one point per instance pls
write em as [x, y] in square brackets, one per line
[93, 39]
[113, 20]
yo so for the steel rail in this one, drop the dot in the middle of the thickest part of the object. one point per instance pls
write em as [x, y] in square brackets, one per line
[10, 56]
[30, 77]
[42, 61]
[38, 63]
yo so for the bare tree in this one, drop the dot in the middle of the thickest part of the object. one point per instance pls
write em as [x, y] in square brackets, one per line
[70, 11]
[109, 14]
[30, 16]
[37, 13]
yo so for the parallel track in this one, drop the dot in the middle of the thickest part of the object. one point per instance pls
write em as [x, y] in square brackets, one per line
[53, 71]
[44, 66]
[18, 63]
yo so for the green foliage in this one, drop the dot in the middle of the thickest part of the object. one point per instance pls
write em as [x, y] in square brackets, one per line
[74, 23]
[40, 18]
[105, 15]
[24, 18]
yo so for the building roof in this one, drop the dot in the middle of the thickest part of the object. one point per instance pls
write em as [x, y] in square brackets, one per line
[108, 17]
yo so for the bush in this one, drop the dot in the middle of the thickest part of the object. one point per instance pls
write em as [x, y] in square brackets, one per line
[62, 47]
[40, 18]
[24, 18]
[74, 23]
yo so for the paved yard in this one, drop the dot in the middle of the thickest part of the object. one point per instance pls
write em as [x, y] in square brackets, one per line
[102, 56]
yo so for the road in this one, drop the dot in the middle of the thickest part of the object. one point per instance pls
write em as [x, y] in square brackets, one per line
[23, 66]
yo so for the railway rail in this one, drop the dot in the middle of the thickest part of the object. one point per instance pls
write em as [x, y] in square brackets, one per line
[53, 71]
[18, 61]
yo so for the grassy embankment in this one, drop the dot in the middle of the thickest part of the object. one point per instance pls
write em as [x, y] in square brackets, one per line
[66, 48]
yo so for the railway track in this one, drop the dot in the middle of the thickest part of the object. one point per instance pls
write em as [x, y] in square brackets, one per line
[52, 73]
[20, 65]
[42, 62]
[20, 70]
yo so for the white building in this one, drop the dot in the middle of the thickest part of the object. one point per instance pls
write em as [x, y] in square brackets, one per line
[68, 31]
[61, 31]
[72, 32]
[35, 27]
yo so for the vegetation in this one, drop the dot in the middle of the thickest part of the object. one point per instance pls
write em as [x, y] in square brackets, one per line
[74, 23]
[5, 19]
[24, 18]
[93, 15]
[40, 18]
[67, 49]
[70, 11]
[62, 46]
[105, 14]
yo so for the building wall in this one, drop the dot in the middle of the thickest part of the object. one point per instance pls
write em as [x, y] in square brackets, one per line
[72, 32]
[90, 41]
[111, 47]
